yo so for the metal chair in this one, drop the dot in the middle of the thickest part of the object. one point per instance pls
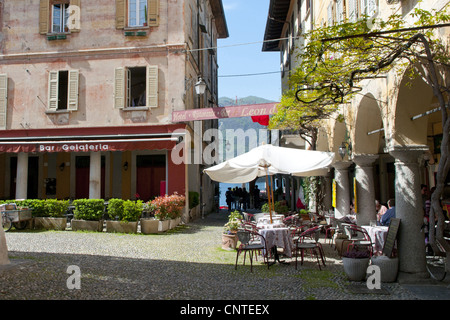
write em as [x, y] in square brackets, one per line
[247, 245]
[308, 240]
[359, 237]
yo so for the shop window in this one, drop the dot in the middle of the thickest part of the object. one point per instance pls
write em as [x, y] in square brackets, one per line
[63, 90]
[136, 87]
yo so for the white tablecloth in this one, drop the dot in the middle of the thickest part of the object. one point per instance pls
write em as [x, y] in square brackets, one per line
[378, 236]
[279, 237]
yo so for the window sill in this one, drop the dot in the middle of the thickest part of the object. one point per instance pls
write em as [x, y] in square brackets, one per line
[136, 109]
[57, 36]
[63, 111]
[137, 28]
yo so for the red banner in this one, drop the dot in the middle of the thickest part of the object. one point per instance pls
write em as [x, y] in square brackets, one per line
[225, 112]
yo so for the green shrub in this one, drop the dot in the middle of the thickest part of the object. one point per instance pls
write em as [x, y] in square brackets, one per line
[278, 207]
[132, 210]
[88, 209]
[115, 208]
[56, 208]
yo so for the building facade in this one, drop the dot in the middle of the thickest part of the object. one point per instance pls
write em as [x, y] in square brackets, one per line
[392, 124]
[87, 90]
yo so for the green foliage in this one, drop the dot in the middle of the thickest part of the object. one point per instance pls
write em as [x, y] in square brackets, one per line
[115, 208]
[233, 222]
[132, 210]
[329, 72]
[125, 210]
[42, 208]
[194, 199]
[278, 207]
[56, 208]
[88, 209]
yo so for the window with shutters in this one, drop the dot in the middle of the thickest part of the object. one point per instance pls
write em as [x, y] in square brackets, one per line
[136, 87]
[59, 16]
[63, 90]
[137, 13]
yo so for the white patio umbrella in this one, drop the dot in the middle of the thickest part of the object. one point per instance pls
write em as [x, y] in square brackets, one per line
[268, 160]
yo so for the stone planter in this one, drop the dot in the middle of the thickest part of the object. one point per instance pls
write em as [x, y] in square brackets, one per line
[149, 226]
[356, 269]
[121, 226]
[174, 222]
[229, 241]
[388, 267]
[87, 225]
[163, 225]
[50, 223]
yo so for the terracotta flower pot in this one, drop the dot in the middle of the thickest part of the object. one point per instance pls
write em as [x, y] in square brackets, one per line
[229, 241]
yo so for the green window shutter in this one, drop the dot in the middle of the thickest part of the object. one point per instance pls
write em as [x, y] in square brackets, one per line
[120, 13]
[152, 86]
[119, 88]
[44, 15]
[153, 12]
[53, 84]
[3, 100]
[73, 90]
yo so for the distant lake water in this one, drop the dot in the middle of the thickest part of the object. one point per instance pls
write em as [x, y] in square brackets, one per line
[223, 187]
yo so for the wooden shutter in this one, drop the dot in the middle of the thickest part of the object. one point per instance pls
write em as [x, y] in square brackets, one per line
[73, 90]
[119, 88]
[44, 16]
[153, 13]
[3, 100]
[340, 11]
[152, 86]
[121, 13]
[53, 84]
[330, 16]
[74, 15]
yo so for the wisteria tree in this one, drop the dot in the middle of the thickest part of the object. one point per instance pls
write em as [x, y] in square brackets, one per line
[335, 59]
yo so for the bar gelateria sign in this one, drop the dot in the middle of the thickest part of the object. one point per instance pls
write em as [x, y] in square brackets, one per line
[225, 112]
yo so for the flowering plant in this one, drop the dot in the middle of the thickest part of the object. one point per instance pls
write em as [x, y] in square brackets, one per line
[354, 254]
[233, 223]
[168, 207]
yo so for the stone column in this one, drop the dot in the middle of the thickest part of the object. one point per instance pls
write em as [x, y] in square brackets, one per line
[95, 175]
[328, 190]
[365, 190]
[408, 208]
[22, 176]
[342, 189]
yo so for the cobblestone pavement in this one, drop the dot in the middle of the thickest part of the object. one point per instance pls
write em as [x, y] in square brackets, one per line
[183, 264]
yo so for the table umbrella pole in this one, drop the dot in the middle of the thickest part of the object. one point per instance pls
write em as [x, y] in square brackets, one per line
[268, 194]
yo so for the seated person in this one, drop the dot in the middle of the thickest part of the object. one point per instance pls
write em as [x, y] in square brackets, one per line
[389, 214]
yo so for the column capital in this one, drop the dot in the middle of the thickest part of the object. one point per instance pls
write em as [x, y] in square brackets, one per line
[342, 165]
[364, 160]
[408, 153]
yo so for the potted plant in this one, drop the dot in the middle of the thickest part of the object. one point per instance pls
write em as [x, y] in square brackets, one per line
[88, 214]
[388, 267]
[168, 208]
[149, 225]
[50, 214]
[124, 215]
[229, 237]
[355, 264]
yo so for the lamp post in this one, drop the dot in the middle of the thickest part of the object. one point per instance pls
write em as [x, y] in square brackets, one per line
[345, 148]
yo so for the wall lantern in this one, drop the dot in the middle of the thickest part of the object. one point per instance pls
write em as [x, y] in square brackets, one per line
[200, 87]
[125, 166]
[345, 148]
[62, 166]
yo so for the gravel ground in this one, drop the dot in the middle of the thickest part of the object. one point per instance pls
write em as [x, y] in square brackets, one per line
[184, 264]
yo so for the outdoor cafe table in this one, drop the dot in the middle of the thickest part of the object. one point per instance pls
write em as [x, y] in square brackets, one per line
[277, 236]
[378, 236]
[266, 218]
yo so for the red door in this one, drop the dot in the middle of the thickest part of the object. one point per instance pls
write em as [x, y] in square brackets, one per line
[150, 171]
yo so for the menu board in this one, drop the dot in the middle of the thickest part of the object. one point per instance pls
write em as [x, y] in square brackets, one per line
[391, 237]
